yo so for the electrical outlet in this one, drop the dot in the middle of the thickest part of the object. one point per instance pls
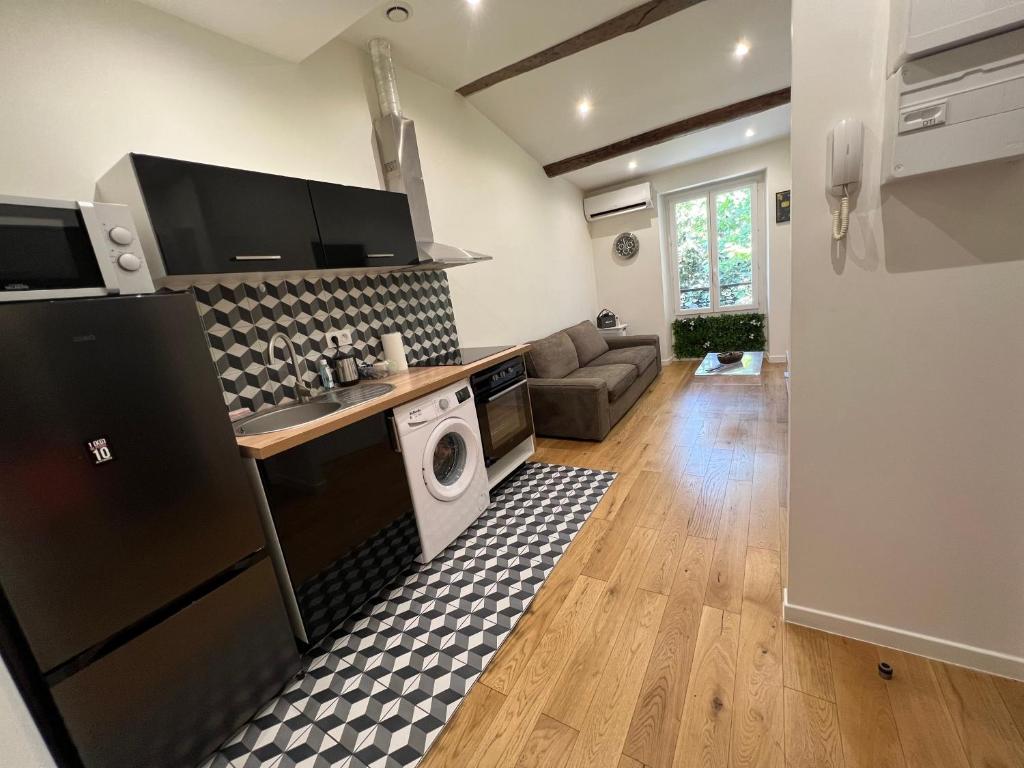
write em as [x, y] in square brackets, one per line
[340, 338]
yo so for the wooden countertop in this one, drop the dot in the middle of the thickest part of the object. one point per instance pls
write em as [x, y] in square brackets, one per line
[409, 385]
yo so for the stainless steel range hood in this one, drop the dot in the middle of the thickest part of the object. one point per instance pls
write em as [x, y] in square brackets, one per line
[400, 161]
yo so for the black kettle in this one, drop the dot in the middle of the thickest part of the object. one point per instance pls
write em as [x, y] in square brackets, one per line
[606, 319]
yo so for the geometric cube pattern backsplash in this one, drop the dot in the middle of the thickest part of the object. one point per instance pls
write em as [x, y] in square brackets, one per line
[240, 317]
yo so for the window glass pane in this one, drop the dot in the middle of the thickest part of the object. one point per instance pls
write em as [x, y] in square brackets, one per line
[691, 219]
[734, 216]
[698, 298]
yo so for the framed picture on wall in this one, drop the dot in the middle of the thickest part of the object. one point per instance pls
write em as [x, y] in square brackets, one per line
[782, 206]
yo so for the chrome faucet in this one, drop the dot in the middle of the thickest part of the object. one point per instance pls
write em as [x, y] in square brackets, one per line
[302, 392]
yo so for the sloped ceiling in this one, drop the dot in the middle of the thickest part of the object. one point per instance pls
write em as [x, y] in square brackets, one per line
[288, 29]
[680, 66]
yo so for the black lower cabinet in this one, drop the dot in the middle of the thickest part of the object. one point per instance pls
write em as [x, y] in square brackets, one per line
[169, 696]
[341, 508]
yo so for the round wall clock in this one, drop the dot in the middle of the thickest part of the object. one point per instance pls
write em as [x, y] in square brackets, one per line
[627, 245]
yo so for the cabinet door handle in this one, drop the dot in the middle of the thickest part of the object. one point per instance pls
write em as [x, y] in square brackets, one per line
[267, 257]
[380, 255]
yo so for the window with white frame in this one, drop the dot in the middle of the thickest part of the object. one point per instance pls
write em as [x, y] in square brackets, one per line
[715, 234]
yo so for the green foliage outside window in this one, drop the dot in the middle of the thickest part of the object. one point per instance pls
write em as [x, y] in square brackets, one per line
[696, 336]
[734, 249]
[692, 251]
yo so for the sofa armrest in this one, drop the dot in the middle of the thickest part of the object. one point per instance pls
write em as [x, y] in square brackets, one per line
[618, 342]
[640, 340]
[576, 408]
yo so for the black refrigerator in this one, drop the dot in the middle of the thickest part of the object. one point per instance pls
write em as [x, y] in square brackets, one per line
[139, 612]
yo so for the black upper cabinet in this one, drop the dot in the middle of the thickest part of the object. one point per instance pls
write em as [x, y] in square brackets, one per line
[362, 227]
[208, 219]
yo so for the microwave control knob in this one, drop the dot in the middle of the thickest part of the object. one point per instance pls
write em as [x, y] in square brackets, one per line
[129, 262]
[443, 404]
[121, 236]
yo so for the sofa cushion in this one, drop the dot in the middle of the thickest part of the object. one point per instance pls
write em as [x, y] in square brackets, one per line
[553, 357]
[588, 341]
[640, 356]
[616, 377]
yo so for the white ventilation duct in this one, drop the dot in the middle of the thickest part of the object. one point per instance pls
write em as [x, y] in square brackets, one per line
[400, 160]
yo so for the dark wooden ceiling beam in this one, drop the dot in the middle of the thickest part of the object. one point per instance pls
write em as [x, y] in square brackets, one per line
[630, 21]
[672, 130]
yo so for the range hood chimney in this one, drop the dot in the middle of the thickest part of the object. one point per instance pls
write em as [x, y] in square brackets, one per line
[400, 161]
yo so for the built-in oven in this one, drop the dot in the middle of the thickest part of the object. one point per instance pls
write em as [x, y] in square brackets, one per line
[59, 249]
[506, 419]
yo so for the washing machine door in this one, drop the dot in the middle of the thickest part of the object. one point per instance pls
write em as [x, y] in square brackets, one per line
[450, 459]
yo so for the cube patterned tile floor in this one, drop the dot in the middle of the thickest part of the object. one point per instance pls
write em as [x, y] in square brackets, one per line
[377, 690]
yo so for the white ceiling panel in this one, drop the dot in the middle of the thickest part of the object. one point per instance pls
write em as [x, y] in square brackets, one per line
[728, 137]
[453, 42]
[678, 67]
[288, 29]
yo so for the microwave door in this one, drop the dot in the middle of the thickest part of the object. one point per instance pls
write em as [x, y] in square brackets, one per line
[46, 251]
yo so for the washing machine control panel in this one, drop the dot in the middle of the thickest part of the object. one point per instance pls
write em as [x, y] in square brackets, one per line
[421, 414]
[434, 407]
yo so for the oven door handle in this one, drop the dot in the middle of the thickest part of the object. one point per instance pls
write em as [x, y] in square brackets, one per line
[505, 391]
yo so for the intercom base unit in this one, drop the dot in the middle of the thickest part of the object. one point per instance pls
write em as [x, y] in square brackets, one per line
[960, 107]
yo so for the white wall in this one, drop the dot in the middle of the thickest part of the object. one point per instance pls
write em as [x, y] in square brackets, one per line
[487, 195]
[640, 289]
[907, 417]
[83, 83]
[634, 289]
[22, 745]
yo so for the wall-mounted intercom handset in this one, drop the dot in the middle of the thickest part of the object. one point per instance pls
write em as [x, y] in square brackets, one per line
[845, 170]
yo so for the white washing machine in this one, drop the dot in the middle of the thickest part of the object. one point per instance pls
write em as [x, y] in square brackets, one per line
[444, 461]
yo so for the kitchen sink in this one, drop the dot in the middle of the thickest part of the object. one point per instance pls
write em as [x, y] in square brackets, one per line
[285, 417]
[357, 394]
[297, 414]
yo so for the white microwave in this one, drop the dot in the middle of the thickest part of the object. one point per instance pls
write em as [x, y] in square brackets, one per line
[58, 249]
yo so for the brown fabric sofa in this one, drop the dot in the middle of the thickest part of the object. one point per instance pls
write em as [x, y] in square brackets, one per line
[582, 383]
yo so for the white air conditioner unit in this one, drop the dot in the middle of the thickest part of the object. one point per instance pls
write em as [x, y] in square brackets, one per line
[625, 200]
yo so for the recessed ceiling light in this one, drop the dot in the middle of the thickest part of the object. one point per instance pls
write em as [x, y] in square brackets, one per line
[397, 12]
[750, 132]
[472, 3]
[632, 165]
[583, 107]
[742, 48]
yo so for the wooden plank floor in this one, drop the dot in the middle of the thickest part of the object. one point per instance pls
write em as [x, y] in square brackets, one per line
[658, 639]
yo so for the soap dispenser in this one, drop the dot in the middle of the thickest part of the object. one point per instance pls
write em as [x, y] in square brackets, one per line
[325, 367]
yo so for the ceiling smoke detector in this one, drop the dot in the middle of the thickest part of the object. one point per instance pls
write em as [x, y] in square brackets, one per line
[398, 12]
